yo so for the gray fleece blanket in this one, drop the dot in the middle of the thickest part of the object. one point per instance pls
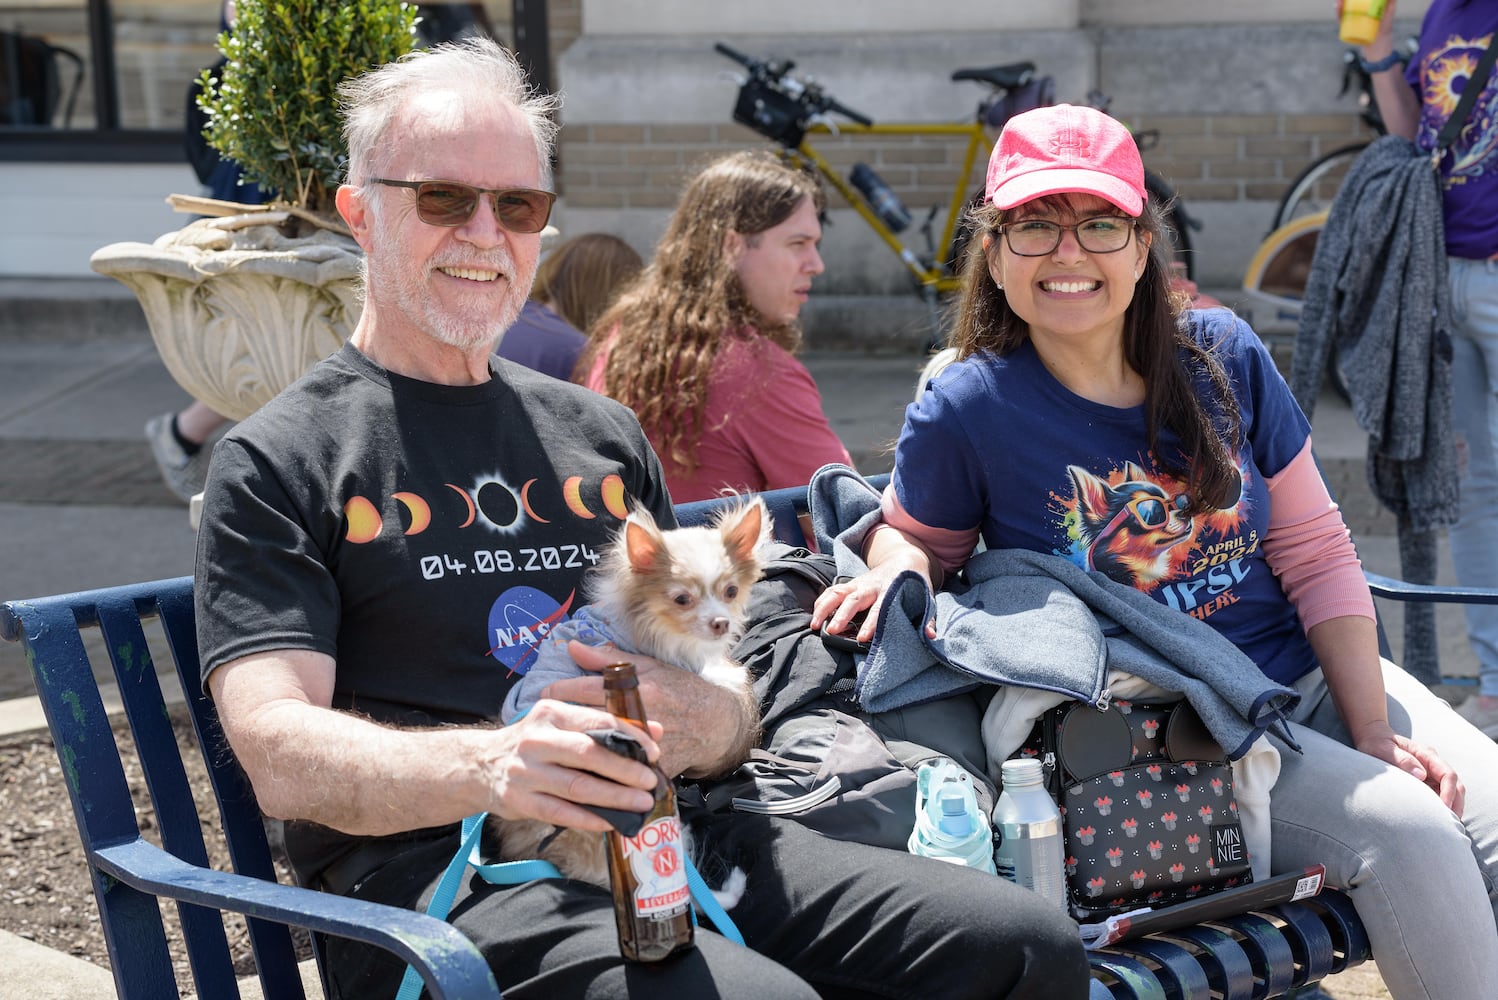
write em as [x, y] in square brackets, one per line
[1026, 618]
[1377, 295]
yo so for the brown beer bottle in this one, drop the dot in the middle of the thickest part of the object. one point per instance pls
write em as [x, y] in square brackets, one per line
[652, 903]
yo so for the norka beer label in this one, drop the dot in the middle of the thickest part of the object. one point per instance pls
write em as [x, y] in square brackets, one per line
[657, 859]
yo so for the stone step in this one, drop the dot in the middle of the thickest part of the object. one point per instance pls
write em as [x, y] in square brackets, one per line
[68, 309]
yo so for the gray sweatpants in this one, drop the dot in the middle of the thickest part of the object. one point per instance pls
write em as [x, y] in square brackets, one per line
[1423, 880]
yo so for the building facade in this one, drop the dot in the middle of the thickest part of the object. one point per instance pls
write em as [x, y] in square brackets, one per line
[1242, 97]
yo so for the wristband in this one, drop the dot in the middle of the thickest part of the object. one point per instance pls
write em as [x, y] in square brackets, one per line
[1388, 62]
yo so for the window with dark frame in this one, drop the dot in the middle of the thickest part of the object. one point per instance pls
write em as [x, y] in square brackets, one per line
[107, 80]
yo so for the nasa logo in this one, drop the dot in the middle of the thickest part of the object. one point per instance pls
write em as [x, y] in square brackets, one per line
[519, 619]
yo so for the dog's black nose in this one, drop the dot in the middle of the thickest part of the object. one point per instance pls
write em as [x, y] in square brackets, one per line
[719, 626]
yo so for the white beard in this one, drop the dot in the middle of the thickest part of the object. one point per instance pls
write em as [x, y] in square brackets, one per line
[466, 334]
[465, 329]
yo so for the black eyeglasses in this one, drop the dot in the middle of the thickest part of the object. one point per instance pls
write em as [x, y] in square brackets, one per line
[1038, 237]
[448, 203]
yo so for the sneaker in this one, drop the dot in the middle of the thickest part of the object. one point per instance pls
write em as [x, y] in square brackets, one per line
[183, 473]
[1485, 719]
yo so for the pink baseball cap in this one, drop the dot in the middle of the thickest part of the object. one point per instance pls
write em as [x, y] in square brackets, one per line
[1065, 148]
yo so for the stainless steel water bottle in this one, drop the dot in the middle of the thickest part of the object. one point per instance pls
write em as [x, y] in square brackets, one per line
[1027, 825]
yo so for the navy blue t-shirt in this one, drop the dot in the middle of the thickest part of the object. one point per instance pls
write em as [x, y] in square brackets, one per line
[999, 443]
[542, 341]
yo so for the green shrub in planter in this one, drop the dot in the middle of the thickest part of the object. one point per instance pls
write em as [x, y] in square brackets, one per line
[273, 108]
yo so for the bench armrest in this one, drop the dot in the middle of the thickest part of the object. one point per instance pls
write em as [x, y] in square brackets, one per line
[448, 961]
[1424, 593]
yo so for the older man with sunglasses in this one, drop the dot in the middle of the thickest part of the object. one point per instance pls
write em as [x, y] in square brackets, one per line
[385, 542]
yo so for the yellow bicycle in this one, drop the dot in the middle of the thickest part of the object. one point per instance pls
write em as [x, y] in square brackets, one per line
[790, 110]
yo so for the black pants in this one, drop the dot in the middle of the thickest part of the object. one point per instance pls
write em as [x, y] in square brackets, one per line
[821, 917]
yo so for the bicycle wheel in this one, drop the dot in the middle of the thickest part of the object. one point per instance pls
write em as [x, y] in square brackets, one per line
[1317, 185]
[1177, 221]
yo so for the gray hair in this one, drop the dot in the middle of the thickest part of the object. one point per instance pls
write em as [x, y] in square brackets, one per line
[476, 65]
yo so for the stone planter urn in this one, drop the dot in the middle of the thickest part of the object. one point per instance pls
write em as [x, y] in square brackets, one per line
[237, 309]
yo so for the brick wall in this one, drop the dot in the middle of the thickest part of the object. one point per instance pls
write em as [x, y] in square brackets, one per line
[1225, 158]
[564, 22]
[1242, 157]
[644, 166]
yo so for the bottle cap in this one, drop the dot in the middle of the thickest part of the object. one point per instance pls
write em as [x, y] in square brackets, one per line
[954, 821]
[1021, 771]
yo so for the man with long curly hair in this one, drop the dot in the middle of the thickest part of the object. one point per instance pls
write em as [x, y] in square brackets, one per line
[702, 346]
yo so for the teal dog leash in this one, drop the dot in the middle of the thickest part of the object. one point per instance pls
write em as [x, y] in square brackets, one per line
[516, 872]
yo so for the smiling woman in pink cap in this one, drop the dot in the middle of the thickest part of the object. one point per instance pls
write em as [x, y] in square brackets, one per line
[1091, 416]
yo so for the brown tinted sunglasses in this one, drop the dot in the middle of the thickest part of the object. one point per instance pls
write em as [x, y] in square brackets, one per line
[448, 203]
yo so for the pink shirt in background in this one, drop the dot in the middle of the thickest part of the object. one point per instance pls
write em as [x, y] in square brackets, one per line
[762, 429]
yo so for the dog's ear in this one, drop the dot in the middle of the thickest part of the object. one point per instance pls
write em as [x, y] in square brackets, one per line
[745, 530]
[1093, 494]
[643, 543]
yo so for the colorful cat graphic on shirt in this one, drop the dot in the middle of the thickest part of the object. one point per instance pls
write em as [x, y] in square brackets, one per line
[1129, 530]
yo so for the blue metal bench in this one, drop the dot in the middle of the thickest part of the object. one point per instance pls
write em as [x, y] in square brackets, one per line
[130, 873]
[1255, 955]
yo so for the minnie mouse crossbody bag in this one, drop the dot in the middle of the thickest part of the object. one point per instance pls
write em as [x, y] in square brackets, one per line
[1147, 806]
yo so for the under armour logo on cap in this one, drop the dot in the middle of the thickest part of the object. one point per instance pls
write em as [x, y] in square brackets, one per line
[1070, 144]
[1066, 149]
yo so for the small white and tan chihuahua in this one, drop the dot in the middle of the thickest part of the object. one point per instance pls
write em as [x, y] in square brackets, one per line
[679, 596]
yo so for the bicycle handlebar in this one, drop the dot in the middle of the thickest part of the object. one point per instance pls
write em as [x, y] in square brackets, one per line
[848, 113]
[777, 75]
[736, 56]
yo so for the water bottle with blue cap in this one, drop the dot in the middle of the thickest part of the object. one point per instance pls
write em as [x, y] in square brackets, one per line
[949, 825]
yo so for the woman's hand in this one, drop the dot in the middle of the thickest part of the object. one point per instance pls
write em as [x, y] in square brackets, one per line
[1421, 761]
[839, 605]
[889, 553]
[1348, 650]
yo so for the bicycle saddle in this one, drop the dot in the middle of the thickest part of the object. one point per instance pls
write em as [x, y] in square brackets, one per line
[1008, 76]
